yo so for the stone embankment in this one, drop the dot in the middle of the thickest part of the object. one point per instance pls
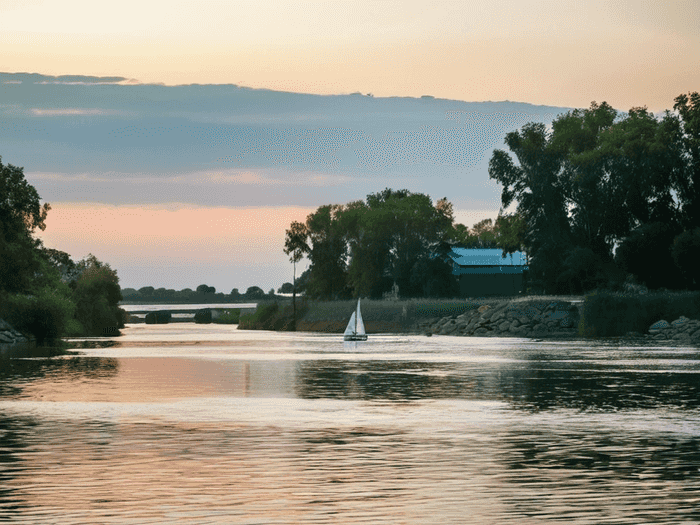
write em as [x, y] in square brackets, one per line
[553, 319]
[682, 331]
[11, 340]
[511, 319]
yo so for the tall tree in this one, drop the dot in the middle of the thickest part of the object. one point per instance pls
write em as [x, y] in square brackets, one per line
[21, 213]
[688, 182]
[328, 253]
[535, 183]
[296, 247]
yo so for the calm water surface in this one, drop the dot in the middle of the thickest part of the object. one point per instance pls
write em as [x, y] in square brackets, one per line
[199, 424]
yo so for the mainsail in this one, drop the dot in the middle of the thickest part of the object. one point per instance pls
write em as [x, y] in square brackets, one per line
[355, 330]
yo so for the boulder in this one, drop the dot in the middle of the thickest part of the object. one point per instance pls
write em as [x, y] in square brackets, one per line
[658, 326]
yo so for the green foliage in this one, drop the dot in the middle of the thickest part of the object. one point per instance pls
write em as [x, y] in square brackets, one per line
[535, 183]
[608, 314]
[605, 315]
[363, 248]
[687, 181]
[203, 316]
[160, 317]
[598, 180]
[97, 295]
[686, 255]
[46, 315]
[262, 315]
[228, 317]
[254, 292]
[286, 288]
[646, 254]
[21, 212]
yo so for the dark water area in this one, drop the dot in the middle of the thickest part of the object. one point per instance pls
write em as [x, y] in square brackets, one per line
[207, 424]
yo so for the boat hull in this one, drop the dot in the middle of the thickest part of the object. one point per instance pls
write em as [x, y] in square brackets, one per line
[358, 337]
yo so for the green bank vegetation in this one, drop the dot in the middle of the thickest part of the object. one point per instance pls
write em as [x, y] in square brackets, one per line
[607, 314]
[332, 316]
[43, 293]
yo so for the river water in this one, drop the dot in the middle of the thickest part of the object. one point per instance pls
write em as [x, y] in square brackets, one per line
[200, 424]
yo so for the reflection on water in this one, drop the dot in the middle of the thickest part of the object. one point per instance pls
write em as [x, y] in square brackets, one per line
[205, 424]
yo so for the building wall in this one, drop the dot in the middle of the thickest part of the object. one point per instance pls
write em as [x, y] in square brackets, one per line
[480, 285]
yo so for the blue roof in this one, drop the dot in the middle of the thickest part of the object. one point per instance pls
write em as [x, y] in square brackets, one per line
[486, 257]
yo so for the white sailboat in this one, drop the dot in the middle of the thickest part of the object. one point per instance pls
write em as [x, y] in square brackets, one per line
[356, 328]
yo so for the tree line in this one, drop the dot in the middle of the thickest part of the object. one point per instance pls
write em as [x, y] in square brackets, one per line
[202, 294]
[43, 292]
[607, 197]
[604, 200]
[394, 241]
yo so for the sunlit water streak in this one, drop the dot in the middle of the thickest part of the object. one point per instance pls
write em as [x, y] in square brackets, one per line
[206, 424]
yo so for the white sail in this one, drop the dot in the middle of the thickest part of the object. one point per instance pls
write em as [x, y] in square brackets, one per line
[360, 330]
[356, 328]
[350, 330]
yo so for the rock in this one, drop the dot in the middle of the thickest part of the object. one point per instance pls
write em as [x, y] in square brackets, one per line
[480, 331]
[658, 326]
[681, 321]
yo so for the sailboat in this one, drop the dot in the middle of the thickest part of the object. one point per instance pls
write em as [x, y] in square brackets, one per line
[356, 328]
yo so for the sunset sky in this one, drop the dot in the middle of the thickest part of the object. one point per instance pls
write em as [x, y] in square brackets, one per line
[174, 193]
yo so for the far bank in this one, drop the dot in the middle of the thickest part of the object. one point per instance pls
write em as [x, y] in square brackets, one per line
[672, 316]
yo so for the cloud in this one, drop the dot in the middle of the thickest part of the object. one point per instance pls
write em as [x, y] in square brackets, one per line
[76, 112]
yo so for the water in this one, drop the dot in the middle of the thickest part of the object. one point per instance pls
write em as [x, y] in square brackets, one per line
[200, 424]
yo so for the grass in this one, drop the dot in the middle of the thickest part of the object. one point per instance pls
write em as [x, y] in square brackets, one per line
[232, 316]
[608, 314]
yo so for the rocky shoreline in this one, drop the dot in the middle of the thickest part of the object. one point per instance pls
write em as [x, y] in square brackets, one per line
[548, 320]
[511, 319]
[12, 341]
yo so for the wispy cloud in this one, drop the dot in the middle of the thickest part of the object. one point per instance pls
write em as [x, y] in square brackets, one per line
[77, 112]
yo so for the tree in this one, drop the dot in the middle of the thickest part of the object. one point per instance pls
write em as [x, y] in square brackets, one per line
[147, 291]
[254, 292]
[686, 254]
[388, 238]
[204, 289]
[328, 252]
[687, 182]
[646, 254]
[21, 213]
[286, 288]
[534, 182]
[296, 247]
[96, 293]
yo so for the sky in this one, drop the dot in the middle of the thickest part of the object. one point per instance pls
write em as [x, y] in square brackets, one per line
[178, 140]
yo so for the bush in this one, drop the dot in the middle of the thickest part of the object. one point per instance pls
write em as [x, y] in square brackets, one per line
[45, 316]
[228, 317]
[160, 317]
[608, 315]
[203, 316]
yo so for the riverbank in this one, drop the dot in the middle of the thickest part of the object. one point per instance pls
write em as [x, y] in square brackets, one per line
[660, 317]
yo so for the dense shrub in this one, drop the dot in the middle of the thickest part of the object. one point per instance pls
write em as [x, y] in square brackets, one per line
[203, 316]
[228, 317]
[608, 314]
[160, 317]
[46, 315]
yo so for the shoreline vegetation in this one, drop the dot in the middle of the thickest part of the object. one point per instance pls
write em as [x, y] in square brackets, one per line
[591, 316]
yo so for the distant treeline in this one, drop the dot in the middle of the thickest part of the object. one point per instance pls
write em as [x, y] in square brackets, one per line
[203, 294]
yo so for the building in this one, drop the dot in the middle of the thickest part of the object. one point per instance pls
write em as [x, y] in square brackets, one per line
[483, 272]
